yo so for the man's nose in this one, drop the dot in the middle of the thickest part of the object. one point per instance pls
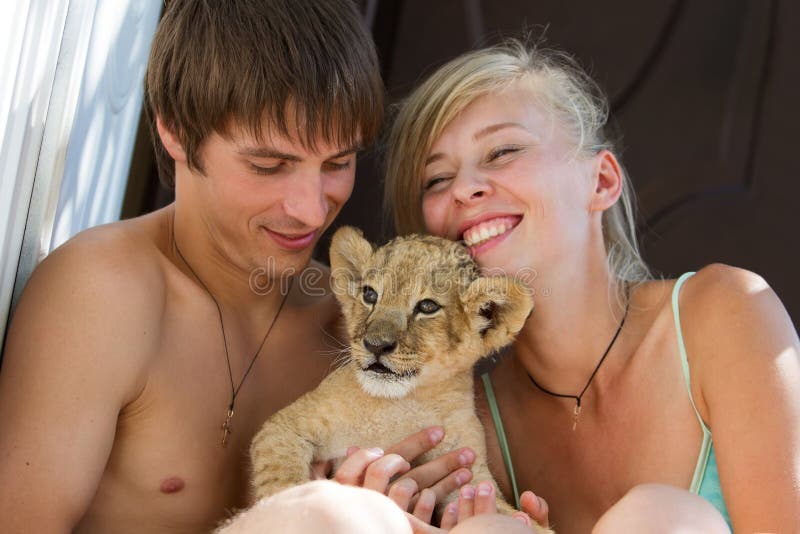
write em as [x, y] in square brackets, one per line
[304, 200]
[470, 186]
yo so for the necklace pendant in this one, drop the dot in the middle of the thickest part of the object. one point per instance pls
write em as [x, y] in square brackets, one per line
[575, 413]
[227, 428]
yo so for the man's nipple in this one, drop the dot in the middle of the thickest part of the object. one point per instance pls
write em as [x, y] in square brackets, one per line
[172, 485]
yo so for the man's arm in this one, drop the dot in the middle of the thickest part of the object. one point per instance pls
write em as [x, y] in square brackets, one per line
[76, 354]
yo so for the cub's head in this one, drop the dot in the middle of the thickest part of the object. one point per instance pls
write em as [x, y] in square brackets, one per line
[417, 311]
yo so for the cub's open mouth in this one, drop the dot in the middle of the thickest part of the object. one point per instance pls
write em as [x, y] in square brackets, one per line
[379, 368]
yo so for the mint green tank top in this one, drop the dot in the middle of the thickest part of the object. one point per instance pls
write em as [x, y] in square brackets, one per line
[705, 481]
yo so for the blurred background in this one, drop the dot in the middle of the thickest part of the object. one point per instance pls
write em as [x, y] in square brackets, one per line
[703, 93]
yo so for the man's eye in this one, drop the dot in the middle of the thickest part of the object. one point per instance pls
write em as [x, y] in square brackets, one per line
[427, 306]
[274, 169]
[369, 295]
[338, 165]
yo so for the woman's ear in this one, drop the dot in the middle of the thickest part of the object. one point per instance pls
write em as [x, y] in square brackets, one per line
[170, 141]
[608, 181]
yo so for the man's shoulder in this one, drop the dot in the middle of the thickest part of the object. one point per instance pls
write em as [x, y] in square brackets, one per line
[110, 267]
[96, 302]
[112, 253]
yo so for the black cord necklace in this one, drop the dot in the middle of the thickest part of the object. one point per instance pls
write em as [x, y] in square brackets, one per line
[577, 411]
[226, 426]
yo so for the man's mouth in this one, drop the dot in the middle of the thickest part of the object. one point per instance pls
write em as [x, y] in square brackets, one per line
[292, 241]
[485, 231]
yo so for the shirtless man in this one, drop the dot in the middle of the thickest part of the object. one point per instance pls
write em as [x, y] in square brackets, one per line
[118, 374]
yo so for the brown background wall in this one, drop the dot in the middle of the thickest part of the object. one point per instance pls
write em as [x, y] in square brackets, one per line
[703, 91]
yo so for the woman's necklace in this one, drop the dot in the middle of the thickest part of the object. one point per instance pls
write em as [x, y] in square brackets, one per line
[577, 411]
[226, 426]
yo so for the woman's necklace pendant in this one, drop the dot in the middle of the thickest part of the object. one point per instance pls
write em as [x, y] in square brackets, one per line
[226, 427]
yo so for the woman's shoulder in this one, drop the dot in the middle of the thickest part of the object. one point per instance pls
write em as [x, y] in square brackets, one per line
[730, 315]
[713, 289]
[722, 286]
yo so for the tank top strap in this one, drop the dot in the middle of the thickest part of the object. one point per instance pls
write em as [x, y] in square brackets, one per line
[501, 435]
[705, 448]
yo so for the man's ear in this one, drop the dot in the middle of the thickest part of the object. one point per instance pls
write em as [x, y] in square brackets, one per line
[170, 141]
[607, 181]
[349, 254]
[498, 307]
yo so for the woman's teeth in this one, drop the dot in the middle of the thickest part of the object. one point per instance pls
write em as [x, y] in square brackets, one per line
[483, 232]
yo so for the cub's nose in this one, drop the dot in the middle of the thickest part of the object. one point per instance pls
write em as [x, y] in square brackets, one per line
[381, 347]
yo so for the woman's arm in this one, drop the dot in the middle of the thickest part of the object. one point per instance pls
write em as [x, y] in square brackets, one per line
[744, 358]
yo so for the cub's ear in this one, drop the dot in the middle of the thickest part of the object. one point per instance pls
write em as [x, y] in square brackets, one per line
[349, 254]
[498, 307]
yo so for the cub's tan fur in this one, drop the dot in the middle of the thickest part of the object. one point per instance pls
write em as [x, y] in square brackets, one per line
[419, 369]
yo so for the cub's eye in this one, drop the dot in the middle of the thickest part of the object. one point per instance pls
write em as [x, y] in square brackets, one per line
[427, 306]
[370, 295]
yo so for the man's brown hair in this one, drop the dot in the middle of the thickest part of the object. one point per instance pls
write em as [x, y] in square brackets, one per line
[214, 63]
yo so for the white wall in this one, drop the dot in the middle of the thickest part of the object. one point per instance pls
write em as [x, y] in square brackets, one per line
[70, 98]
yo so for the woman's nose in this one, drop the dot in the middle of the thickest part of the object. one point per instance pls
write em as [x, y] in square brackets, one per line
[470, 188]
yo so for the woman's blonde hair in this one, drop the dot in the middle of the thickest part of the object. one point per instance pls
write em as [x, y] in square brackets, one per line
[560, 84]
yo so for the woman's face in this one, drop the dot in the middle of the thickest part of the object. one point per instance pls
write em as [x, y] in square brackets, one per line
[506, 178]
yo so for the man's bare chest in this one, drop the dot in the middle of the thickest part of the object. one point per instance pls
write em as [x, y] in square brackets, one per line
[168, 455]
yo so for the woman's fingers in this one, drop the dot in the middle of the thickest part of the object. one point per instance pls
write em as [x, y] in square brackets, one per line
[535, 507]
[353, 468]
[446, 473]
[485, 501]
[402, 492]
[382, 471]
[466, 502]
[418, 443]
[426, 502]
[450, 516]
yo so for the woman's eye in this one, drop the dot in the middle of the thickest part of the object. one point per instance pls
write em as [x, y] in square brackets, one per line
[369, 295]
[499, 152]
[427, 306]
[433, 182]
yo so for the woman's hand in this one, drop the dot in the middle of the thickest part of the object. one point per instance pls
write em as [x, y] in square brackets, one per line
[480, 500]
[535, 507]
[414, 490]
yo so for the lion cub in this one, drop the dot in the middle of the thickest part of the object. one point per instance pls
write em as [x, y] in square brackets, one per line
[418, 316]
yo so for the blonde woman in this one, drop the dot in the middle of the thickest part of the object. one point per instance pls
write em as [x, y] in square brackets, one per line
[628, 403]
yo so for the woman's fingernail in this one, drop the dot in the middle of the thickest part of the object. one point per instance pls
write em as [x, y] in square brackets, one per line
[466, 456]
[451, 509]
[375, 451]
[467, 492]
[409, 484]
[523, 517]
[435, 434]
[463, 476]
[484, 489]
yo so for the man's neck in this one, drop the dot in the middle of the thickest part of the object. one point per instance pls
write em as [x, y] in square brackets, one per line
[237, 290]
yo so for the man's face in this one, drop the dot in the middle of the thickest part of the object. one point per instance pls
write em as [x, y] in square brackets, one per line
[266, 202]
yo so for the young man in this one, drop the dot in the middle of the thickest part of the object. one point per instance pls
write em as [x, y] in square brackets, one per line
[145, 354]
